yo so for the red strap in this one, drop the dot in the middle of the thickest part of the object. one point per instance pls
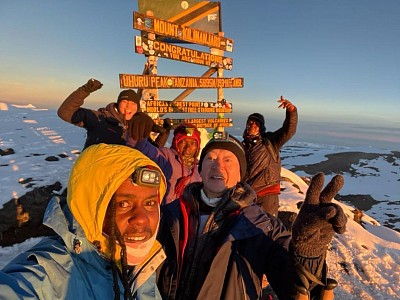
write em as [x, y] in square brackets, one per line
[183, 242]
[270, 190]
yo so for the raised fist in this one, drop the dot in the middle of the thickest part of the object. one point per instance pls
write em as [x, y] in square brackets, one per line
[92, 85]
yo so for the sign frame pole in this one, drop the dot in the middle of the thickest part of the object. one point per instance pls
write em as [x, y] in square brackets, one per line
[151, 94]
[220, 74]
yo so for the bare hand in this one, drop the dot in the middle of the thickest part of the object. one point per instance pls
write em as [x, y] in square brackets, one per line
[286, 104]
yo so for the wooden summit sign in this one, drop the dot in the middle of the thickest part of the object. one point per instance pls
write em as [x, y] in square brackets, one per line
[162, 107]
[202, 15]
[171, 82]
[200, 122]
[183, 33]
[171, 51]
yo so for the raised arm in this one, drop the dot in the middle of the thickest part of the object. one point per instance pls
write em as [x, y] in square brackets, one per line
[289, 127]
[139, 128]
[314, 228]
[69, 109]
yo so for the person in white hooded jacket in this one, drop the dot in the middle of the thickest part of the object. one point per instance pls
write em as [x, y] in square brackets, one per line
[105, 247]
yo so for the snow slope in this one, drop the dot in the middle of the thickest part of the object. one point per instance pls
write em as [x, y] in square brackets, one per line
[365, 261]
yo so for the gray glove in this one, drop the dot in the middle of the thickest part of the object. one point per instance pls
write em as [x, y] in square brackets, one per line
[318, 218]
[92, 85]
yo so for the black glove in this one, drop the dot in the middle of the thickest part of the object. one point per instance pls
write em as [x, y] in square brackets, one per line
[236, 198]
[167, 124]
[318, 218]
[140, 126]
[243, 194]
[92, 85]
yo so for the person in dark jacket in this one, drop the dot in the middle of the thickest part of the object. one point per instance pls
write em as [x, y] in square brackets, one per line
[219, 243]
[107, 124]
[262, 154]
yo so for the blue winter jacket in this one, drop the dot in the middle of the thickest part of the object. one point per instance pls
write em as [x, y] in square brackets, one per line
[68, 265]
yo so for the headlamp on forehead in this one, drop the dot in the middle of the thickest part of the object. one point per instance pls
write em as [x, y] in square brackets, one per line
[146, 177]
[189, 131]
[220, 135]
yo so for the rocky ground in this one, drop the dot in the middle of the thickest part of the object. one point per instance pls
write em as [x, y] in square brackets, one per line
[22, 219]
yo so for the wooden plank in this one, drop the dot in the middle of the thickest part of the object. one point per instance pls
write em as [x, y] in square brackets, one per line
[173, 82]
[206, 12]
[171, 51]
[187, 92]
[202, 15]
[200, 122]
[183, 33]
[163, 107]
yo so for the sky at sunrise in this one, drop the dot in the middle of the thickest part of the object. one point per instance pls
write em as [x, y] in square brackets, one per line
[336, 60]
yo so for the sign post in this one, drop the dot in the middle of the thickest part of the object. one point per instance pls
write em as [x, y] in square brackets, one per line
[165, 23]
[151, 69]
[220, 90]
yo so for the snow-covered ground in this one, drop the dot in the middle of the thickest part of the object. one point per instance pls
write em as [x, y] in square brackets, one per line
[377, 176]
[365, 260]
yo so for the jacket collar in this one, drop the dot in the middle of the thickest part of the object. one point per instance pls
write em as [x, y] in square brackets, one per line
[62, 222]
[251, 219]
[60, 219]
[226, 207]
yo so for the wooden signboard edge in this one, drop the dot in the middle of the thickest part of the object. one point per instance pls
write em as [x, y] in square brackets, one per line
[169, 82]
[225, 44]
[223, 61]
[201, 107]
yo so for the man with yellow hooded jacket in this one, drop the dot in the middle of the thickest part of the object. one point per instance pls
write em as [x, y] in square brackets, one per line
[105, 247]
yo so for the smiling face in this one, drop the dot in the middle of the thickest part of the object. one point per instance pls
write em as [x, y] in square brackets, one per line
[127, 108]
[137, 212]
[187, 148]
[220, 171]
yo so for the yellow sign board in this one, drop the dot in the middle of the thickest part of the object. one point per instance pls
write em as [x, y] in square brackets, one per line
[183, 33]
[200, 122]
[171, 51]
[163, 107]
[173, 82]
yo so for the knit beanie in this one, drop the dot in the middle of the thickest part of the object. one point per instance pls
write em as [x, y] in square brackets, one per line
[129, 95]
[186, 131]
[258, 118]
[228, 143]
